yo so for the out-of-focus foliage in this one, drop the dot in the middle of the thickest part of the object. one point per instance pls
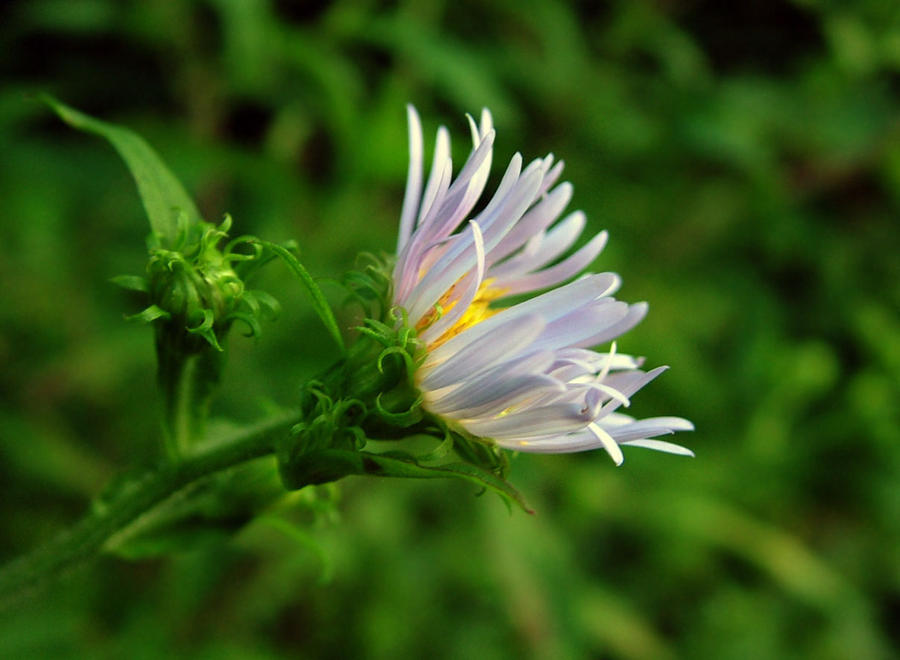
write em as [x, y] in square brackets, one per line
[745, 158]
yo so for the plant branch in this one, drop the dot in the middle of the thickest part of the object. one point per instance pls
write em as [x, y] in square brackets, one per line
[87, 538]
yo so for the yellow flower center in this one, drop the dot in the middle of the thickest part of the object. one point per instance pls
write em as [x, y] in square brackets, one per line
[479, 309]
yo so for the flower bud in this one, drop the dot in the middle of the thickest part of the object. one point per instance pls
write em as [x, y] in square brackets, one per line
[195, 289]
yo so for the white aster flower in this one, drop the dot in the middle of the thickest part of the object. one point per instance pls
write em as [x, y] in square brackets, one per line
[523, 376]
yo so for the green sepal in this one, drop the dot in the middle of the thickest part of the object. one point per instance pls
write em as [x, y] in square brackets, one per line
[254, 329]
[404, 418]
[163, 196]
[329, 465]
[150, 314]
[205, 329]
[131, 283]
[370, 286]
[444, 449]
[262, 304]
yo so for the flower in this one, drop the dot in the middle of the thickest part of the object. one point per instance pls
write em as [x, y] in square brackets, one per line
[524, 375]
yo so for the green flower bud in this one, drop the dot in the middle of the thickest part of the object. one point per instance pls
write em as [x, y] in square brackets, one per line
[195, 288]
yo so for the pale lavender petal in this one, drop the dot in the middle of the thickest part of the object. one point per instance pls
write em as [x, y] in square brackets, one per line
[593, 361]
[504, 392]
[613, 420]
[628, 383]
[408, 267]
[498, 221]
[462, 305]
[543, 248]
[550, 306]
[552, 175]
[529, 423]
[450, 397]
[510, 178]
[441, 173]
[569, 372]
[439, 229]
[601, 392]
[535, 221]
[413, 178]
[467, 186]
[647, 428]
[558, 273]
[476, 134]
[487, 122]
[542, 393]
[636, 314]
[501, 344]
[461, 258]
[580, 323]
[591, 437]
[462, 195]
[660, 445]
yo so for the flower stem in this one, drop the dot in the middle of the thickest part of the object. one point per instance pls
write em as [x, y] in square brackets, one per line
[87, 538]
[189, 374]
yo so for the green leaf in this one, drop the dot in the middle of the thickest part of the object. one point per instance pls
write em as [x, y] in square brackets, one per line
[323, 309]
[162, 194]
[327, 465]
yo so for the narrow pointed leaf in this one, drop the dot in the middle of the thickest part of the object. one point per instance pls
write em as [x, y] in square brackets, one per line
[162, 194]
[320, 305]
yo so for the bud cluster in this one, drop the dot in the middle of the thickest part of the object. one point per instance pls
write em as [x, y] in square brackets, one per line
[195, 286]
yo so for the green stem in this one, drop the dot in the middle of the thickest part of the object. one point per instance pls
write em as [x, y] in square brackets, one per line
[87, 538]
[189, 373]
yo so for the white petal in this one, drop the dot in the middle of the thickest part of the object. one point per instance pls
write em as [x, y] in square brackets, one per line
[529, 423]
[440, 222]
[413, 178]
[543, 248]
[541, 216]
[608, 443]
[441, 173]
[660, 445]
[550, 306]
[552, 176]
[461, 257]
[647, 428]
[587, 439]
[471, 403]
[636, 314]
[580, 323]
[558, 273]
[628, 383]
[505, 342]
[594, 361]
[462, 305]
[463, 193]
[480, 385]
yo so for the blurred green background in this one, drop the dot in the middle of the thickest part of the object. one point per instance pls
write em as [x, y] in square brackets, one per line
[745, 158]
